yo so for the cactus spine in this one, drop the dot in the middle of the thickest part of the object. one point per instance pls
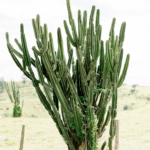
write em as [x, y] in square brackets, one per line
[82, 97]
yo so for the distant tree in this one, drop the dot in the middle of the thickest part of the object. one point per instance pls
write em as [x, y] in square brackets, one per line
[134, 86]
[134, 91]
[15, 99]
[24, 79]
[2, 85]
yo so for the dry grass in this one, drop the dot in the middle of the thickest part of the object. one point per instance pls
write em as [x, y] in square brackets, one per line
[41, 133]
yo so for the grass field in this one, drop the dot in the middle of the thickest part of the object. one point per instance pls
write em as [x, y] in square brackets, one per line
[41, 133]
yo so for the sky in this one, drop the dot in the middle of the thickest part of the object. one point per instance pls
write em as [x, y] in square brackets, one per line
[135, 13]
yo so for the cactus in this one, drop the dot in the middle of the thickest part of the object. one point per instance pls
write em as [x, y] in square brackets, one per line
[15, 98]
[76, 102]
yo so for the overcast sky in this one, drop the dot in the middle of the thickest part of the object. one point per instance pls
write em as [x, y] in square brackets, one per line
[135, 13]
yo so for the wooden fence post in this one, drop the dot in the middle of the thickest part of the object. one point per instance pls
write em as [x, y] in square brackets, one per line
[22, 137]
[117, 136]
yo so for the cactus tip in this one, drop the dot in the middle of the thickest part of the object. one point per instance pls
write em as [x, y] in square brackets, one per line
[7, 37]
[21, 28]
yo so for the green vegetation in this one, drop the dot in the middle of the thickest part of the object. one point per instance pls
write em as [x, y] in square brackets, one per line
[130, 120]
[77, 103]
[15, 99]
[42, 134]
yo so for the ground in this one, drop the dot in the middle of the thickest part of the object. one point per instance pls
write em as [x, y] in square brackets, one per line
[41, 133]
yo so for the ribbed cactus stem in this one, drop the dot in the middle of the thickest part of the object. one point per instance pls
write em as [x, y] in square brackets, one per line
[76, 92]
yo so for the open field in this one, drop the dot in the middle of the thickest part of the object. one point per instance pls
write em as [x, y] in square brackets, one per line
[41, 133]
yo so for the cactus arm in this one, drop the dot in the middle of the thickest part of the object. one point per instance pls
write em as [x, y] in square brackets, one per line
[87, 52]
[120, 62]
[112, 39]
[69, 11]
[80, 33]
[90, 92]
[103, 146]
[55, 99]
[97, 49]
[115, 48]
[45, 37]
[114, 107]
[60, 45]
[39, 70]
[14, 57]
[124, 72]
[61, 71]
[92, 40]
[27, 75]
[114, 92]
[17, 53]
[101, 67]
[78, 77]
[74, 32]
[69, 34]
[100, 116]
[108, 56]
[35, 28]
[7, 37]
[18, 44]
[97, 21]
[112, 132]
[112, 26]
[84, 28]
[24, 65]
[38, 22]
[24, 46]
[36, 51]
[111, 33]
[107, 117]
[122, 33]
[92, 15]
[68, 46]
[70, 58]
[84, 25]
[52, 50]
[99, 31]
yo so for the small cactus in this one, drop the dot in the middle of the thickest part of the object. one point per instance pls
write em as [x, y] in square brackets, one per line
[15, 99]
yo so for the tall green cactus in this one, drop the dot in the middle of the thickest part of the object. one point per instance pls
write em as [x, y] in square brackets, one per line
[77, 103]
[15, 99]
